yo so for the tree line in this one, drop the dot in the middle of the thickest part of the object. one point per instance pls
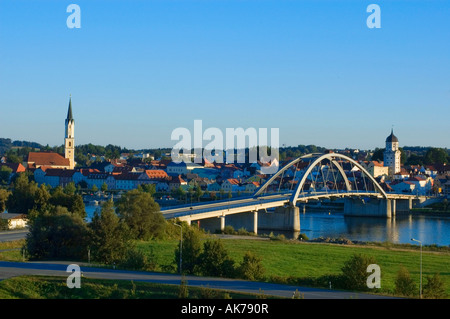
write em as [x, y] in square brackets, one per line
[58, 228]
[426, 156]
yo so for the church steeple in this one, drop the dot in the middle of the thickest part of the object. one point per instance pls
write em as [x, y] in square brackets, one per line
[69, 140]
[69, 112]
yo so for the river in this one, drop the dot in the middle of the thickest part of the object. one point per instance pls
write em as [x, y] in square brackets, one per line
[427, 229]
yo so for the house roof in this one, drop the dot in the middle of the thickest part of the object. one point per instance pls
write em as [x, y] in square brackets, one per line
[127, 176]
[47, 159]
[15, 167]
[156, 173]
[178, 180]
[233, 181]
[12, 216]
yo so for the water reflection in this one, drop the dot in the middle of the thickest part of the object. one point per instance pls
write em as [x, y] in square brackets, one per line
[429, 230]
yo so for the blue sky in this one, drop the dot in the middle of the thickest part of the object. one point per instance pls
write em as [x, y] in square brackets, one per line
[139, 69]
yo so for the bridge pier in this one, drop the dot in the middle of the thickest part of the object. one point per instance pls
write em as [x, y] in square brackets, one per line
[255, 222]
[283, 218]
[370, 207]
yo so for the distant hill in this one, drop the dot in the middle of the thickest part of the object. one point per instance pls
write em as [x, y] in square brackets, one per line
[6, 144]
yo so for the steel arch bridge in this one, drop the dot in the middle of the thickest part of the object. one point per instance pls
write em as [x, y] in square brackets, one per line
[323, 175]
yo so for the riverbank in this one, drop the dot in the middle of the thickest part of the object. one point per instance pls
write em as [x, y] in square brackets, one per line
[311, 263]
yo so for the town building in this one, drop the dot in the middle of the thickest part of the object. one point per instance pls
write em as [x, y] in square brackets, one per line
[54, 160]
[392, 154]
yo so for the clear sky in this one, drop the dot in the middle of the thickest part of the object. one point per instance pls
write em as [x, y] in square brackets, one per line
[137, 70]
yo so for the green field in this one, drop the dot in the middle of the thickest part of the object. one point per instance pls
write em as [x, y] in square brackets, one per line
[306, 261]
[303, 263]
[42, 287]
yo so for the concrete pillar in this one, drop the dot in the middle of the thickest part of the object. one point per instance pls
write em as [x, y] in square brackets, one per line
[222, 223]
[387, 211]
[393, 207]
[295, 213]
[255, 222]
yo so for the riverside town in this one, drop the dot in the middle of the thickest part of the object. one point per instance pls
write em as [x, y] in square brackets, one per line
[224, 158]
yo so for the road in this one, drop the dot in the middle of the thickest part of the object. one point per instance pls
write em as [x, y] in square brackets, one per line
[11, 269]
[11, 235]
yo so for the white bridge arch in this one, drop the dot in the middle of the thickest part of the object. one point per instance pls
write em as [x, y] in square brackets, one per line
[316, 159]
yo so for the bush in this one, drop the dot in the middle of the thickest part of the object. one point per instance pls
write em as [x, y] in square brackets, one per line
[214, 260]
[192, 248]
[4, 224]
[404, 285]
[136, 260]
[303, 237]
[354, 272]
[251, 267]
[434, 288]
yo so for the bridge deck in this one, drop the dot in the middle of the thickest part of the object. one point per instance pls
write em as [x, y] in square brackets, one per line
[249, 204]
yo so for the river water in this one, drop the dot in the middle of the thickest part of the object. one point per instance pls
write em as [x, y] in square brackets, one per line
[314, 224]
[427, 229]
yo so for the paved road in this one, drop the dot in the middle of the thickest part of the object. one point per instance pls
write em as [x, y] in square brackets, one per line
[11, 235]
[11, 269]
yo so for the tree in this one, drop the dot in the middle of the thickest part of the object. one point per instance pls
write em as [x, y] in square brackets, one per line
[104, 187]
[70, 189]
[94, 188]
[404, 285]
[5, 174]
[56, 233]
[141, 213]
[4, 194]
[354, 272]
[378, 154]
[22, 198]
[192, 248]
[434, 288]
[251, 267]
[74, 203]
[214, 260]
[148, 188]
[435, 156]
[109, 237]
[198, 192]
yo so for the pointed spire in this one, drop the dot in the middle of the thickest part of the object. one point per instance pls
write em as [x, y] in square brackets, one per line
[69, 112]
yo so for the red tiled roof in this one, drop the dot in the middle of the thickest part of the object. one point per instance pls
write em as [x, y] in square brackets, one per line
[47, 159]
[156, 173]
[233, 181]
[16, 167]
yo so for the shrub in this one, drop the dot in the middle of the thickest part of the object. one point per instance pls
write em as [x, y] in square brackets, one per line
[303, 237]
[214, 260]
[434, 288]
[354, 272]
[251, 267]
[404, 285]
[191, 249]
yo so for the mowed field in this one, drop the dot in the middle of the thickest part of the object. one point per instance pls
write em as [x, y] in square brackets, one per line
[284, 259]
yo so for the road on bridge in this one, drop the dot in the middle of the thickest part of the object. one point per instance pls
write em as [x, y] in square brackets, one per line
[12, 269]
